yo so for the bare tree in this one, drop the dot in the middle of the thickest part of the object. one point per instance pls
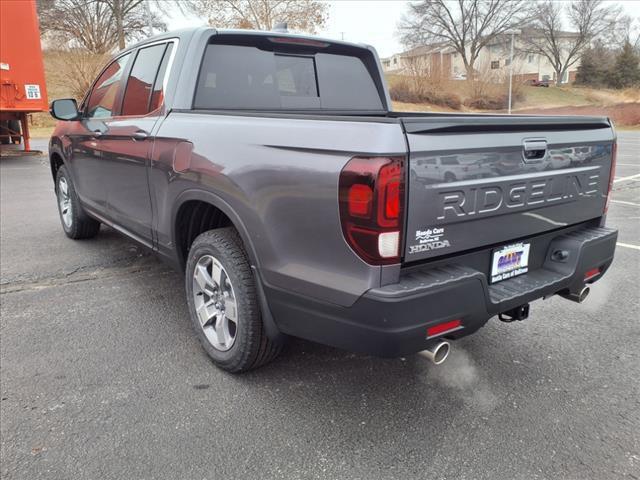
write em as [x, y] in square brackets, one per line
[78, 23]
[73, 70]
[131, 17]
[467, 26]
[587, 20]
[627, 31]
[96, 25]
[303, 15]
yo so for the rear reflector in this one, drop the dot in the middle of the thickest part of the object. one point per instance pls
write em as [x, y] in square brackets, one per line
[445, 327]
[594, 272]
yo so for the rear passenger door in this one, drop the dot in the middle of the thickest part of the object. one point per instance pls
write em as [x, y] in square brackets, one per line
[126, 145]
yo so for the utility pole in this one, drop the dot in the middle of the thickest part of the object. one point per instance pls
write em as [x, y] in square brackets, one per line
[147, 6]
[513, 33]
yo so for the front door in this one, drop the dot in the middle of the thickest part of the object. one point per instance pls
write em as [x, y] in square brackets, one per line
[87, 168]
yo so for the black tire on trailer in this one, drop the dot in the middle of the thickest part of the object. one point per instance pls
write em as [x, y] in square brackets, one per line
[223, 303]
[75, 222]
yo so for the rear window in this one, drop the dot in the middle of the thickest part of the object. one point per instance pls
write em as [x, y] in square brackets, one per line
[247, 77]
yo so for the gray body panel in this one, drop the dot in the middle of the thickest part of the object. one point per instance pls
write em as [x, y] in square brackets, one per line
[280, 176]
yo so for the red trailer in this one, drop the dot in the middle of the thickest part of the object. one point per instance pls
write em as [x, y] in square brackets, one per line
[22, 84]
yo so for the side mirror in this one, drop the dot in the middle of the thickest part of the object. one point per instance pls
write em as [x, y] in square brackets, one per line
[64, 109]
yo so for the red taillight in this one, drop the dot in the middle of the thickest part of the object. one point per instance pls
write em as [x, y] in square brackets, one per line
[441, 328]
[371, 197]
[360, 200]
[612, 174]
[388, 191]
[589, 274]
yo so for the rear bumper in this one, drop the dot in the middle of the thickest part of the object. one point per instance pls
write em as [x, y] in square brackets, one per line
[393, 320]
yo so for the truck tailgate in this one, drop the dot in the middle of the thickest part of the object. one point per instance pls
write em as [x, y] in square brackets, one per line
[477, 181]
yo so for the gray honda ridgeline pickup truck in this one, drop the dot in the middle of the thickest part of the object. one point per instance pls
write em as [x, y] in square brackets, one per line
[272, 170]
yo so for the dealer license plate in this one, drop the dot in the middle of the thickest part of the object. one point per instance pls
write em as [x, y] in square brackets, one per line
[510, 261]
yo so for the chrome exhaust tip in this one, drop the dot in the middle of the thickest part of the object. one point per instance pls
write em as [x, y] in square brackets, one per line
[578, 296]
[437, 353]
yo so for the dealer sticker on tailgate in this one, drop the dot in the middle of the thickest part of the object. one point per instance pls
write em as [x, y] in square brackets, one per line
[510, 261]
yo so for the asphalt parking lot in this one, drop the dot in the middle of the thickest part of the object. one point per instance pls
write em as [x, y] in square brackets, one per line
[102, 378]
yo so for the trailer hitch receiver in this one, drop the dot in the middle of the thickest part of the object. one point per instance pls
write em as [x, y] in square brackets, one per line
[518, 313]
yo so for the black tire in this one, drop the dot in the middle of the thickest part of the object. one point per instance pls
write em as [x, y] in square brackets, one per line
[251, 346]
[80, 225]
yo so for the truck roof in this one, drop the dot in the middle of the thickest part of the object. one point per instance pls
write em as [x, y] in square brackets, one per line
[192, 31]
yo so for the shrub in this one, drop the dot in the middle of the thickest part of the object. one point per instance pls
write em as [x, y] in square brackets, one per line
[423, 90]
[75, 69]
[487, 94]
[488, 103]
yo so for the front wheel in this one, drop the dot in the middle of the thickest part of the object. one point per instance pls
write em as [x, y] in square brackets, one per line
[223, 303]
[75, 222]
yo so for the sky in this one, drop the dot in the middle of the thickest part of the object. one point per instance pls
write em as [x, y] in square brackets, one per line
[370, 21]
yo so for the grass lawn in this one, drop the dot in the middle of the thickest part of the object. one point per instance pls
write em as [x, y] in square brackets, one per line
[554, 97]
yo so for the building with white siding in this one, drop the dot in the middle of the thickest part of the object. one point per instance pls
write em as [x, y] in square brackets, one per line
[493, 61]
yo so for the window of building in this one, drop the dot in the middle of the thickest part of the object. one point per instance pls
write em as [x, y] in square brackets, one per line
[495, 64]
[507, 62]
[105, 92]
[530, 59]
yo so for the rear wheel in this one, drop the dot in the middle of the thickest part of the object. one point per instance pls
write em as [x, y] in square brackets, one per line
[223, 303]
[75, 222]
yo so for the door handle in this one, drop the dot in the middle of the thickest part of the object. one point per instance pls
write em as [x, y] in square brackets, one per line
[139, 135]
[97, 133]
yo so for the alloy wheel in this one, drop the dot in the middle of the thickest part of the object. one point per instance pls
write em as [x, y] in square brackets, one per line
[64, 202]
[215, 303]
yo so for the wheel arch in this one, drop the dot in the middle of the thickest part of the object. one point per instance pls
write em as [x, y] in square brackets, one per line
[198, 195]
[56, 160]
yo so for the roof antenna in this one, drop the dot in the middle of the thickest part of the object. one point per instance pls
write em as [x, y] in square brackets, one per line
[281, 27]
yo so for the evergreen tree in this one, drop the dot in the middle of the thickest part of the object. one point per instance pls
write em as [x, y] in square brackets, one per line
[595, 66]
[626, 70]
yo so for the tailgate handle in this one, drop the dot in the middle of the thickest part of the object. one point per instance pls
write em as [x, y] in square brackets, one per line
[534, 149]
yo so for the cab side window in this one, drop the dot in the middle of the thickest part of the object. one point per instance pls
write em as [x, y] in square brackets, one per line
[157, 96]
[102, 100]
[144, 91]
